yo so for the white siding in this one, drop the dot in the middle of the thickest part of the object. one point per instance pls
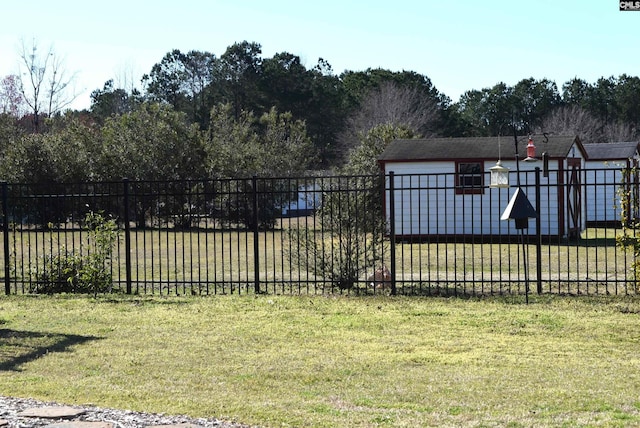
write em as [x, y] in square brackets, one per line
[427, 204]
[602, 183]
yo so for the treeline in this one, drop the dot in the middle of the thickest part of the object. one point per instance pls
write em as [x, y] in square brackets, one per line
[200, 115]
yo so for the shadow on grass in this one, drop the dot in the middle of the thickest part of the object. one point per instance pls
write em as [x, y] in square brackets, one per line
[20, 347]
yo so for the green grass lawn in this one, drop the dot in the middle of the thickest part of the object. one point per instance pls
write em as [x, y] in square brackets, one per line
[332, 361]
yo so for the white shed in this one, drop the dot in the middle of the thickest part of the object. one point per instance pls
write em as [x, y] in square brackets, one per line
[606, 163]
[442, 185]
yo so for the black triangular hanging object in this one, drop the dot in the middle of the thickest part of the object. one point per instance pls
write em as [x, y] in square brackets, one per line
[519, 209]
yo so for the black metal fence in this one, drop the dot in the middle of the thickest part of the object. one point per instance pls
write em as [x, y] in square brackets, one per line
[404, 234]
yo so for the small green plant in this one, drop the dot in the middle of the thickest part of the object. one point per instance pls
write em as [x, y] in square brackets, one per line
[79, 271]
[629, 239]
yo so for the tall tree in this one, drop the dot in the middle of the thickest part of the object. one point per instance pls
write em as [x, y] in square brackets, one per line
[287, 84]
[502, 108]
[359, 84]
[627, 99]
[602, 102]
[573, 120]
[111, 101]
[532, 101]
[180, 80]
[44, 83]
[382, 97]
[613, 101]
[326, 115]
[314, 95]
[576, 92]
[489, 111]
[400, 106]
[239, 77]
[166, 80]
[201, 68]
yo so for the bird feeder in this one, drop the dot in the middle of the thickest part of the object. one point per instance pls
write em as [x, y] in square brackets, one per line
[531, 151]
[519, 209]
[499, 176]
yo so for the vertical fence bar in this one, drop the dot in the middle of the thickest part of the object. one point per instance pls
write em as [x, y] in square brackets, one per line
[127, 236]
[5, 238]
[538, 235]
[392, 232]
[256, 247]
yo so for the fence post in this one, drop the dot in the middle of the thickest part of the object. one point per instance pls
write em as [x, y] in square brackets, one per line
[127, 235]
[256, 247]
[538, 235]
[5, 238]
[392, 231]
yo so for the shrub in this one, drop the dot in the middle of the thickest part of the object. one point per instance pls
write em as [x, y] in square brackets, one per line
[351, 237]
[629, 239]
[78, 272]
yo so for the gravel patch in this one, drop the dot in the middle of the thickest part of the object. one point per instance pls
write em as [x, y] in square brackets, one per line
[10, 409]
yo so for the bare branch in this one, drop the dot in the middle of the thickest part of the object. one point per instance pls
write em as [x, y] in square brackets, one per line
[59, 91]
[391, 104]
[43, 82]
[395, 105]
[574, 120]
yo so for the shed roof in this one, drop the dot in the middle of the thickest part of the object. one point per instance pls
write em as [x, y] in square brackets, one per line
[611, 151]
[493, 148]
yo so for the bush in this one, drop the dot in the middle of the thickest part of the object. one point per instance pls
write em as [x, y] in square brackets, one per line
[629, 239]
[351, 237]
[75, 272]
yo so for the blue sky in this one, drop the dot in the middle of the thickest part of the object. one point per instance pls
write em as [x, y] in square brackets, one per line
[459, 44]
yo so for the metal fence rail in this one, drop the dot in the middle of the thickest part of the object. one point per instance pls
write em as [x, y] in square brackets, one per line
[405, 234]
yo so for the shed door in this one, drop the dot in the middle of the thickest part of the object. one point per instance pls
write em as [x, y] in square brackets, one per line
[574, 198]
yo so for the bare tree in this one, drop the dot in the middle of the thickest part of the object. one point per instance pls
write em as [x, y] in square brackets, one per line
[619, 132]
[574, 120]
[44, 84]
[394, 105]
[127, 77]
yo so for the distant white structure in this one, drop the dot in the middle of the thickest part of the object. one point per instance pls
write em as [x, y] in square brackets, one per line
[441, 185]
[309, 200]
[604, 168]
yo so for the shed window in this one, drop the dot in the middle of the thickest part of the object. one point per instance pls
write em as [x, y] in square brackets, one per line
[469, 177]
